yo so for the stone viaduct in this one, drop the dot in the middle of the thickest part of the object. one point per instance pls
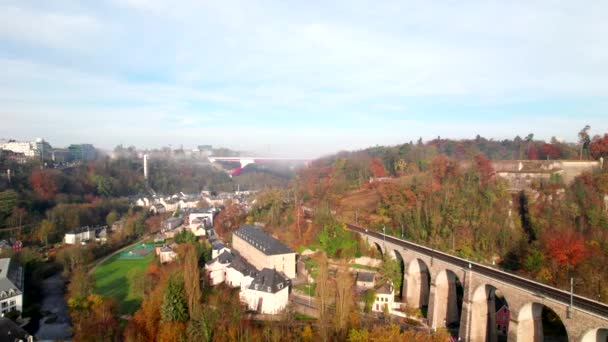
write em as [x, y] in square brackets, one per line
[430, 280]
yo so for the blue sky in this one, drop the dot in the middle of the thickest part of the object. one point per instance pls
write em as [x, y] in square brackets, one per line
[300, 77]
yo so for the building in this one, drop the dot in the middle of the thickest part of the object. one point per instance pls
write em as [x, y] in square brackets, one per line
[11, 332]
[82, 152]
[172, 223]
[268, 293]
[166, 254]
[264, 251]
[11, 286]
[61, 155]
[366, 280]
[216, 268]
[217, 248]
[385, 297]
[240, 273]
[85, 234]
[205, 215]
[157, 208]
[502, 319]
[35, 149]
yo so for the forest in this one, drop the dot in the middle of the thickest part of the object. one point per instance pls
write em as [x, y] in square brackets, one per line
[423, 192]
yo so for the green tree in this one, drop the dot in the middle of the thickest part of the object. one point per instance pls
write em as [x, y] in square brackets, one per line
[175, 306]
[391, 270]
[112, 217]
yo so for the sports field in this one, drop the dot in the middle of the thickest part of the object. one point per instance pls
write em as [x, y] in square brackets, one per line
[122, 279]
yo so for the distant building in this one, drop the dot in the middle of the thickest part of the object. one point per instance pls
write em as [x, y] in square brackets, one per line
[217, 248]
[268, 293]
[61, 155]
[34, 149]
[157, 208]
[172, 223]
[11, 286]
[82, 152]
[502, 319]
[264, 251]
[85, 234]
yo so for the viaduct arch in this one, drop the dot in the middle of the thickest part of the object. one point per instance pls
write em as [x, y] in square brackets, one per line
[442, 274]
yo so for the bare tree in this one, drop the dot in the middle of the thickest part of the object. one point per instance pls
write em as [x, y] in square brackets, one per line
[583, 139]
[344, 297]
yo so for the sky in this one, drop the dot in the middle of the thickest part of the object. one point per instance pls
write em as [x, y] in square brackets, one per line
[300, 78]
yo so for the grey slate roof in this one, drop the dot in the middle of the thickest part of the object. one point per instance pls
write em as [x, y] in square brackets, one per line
[385, 288]
[240, 264]
[217, 245]
[262, 241]
[224, 258]
[269, 280]
[367, 277]
[11, 278]
[10, 332]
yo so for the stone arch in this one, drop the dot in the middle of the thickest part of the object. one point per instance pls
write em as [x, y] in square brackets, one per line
[401, 262]
[596, 335]
[417, 284]
[447, 301]
[379, 248]
[486, 301]
[531, 321]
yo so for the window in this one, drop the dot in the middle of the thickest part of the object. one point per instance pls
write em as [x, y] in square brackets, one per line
[13, 302]
[4, 304]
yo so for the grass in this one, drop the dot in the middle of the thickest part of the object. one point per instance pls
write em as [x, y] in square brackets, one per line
[302, 317]
[364, 267]
[307, 288]
[121, 279]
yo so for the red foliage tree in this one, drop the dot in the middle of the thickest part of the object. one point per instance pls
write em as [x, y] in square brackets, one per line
[377, 168]
[550, 151]
[44, 184]
[484, 167]
[566, 249]
[599, 146]
[532, 152]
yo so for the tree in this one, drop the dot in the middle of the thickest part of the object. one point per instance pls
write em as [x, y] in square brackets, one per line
[44, 184]
[323, 291]
[377, 168]
[599, 147]
[567, 250]
[111, 218]
[191, 278]
[174, 307]
[391, 271]
[344, 297]
[583, 139]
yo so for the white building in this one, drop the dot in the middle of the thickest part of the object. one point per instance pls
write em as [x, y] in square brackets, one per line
[240, 273]
[217, 267]
[262, 250]
[217, 248]
[33, 149]
[166, 254]
[268, 293]
[204, 216]
[385, 297]
[83, 234]
[11, 286]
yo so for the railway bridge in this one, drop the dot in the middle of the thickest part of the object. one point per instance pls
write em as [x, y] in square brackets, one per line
[457, 292]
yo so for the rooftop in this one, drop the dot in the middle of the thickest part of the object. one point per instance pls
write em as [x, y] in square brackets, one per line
[269, 280]
[240, 264]
[262, 241]
[11, 278]
[367, 277]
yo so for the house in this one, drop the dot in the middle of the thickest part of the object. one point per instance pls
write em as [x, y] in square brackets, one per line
[385, 296]
[85, 234]
[264, 251]
[119, 225]
[366, 280]
[240, 273]
[143, 202]
[268, 293]
[216, 268]
[171, 223]
[11, 286]
[217, 248]
[101, 235]
[10, 331]
[198, 230]
[502, 319]
[171, 204]
[205, 216]
[166, 254]
[158, 208]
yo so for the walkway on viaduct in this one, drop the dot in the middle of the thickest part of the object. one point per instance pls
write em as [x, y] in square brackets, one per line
[430, 280]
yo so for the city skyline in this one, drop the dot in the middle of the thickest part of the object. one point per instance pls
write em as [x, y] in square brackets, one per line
[310, 78]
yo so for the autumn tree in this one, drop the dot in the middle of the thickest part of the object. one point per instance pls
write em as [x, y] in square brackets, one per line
[44, 183]
[377, 168]
[599, 147]
[584, 140]
[323, 291]
[191, 272]
[344, 297]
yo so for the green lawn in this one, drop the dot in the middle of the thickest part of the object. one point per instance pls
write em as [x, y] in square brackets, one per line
[122, 279]
[364, 267]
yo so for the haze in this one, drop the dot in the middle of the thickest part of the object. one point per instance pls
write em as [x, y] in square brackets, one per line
[299, 78]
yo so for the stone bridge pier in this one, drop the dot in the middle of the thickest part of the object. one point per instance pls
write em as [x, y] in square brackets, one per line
[464, 295]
